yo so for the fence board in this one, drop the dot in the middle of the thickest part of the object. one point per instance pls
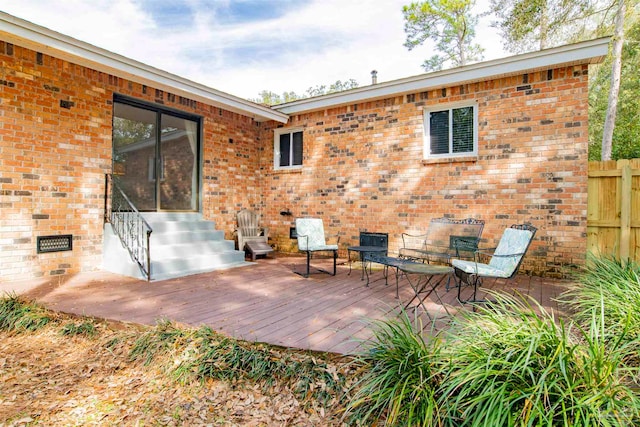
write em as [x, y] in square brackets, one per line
[613, 208]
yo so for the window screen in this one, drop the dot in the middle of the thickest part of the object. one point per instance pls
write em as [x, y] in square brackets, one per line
[290, 149]
[297, 148]
[439, 132]
[462, 130]
[451, 131]
[285, 149]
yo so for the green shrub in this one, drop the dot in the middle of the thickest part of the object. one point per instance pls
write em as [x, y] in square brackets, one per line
[19, 315]
[614, 285]
[510, 363]
[401, 378]
[513, 364]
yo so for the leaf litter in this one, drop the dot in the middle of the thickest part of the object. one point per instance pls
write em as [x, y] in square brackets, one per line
[47, 378]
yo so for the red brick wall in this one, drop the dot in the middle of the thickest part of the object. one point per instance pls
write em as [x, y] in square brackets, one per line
[363, 164]
[363, 167]
[53, 159]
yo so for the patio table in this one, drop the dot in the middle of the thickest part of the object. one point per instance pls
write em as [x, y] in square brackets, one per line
[387, 261]
[424, 279]
[362, 252]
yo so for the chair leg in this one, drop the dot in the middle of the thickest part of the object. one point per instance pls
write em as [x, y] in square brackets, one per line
[308, 273]
[335, 258]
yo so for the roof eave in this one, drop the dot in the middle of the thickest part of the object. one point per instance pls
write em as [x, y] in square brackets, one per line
[41, 39]
[592, 51]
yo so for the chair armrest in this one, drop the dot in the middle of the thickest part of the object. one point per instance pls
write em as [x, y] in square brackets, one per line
[483, 255]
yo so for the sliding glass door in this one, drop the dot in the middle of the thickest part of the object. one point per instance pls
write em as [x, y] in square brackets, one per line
[155, 156]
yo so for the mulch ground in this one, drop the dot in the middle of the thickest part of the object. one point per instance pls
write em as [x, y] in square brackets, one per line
[47, 378]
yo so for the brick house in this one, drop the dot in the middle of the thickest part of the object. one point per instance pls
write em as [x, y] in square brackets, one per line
[503, 140]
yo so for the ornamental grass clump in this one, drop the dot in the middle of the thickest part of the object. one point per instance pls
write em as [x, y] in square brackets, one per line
[614, 285]
[19, 315]
[514, 364]
[510, 363]
[400, 377]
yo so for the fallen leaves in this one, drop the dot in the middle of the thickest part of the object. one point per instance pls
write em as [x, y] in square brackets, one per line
[50, 379]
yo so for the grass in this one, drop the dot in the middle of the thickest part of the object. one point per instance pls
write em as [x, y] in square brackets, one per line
[204, 354]
[400, 376]
[510, 363]
[615, 285]
[17, 316]
[201, 356]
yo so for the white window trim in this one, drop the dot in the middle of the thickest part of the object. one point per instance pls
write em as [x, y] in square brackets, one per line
[426, 129]
[276, 147]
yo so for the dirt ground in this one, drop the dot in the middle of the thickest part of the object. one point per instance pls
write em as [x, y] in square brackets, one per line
[48, 379]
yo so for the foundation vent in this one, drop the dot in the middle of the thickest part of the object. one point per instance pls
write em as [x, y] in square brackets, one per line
[54, 243]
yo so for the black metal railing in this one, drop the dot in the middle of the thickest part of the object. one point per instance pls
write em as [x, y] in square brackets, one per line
[130, 226]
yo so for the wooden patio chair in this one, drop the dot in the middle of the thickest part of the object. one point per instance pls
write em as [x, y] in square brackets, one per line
[503, 261]
[249, 229]
[311, 238]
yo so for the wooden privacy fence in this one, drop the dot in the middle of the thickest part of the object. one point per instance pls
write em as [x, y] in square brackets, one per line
[613, 212]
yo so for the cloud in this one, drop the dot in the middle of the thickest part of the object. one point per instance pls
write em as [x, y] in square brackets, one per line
[245, 46]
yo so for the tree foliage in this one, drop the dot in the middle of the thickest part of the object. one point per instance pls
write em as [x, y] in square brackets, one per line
[626, 135]
[527, 25]
[448, 23]
[271, 98]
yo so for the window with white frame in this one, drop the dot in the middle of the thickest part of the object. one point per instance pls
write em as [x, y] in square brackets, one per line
[451, 132]
[287, 148]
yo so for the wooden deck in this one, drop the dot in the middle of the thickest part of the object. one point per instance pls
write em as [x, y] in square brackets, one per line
[264, 302]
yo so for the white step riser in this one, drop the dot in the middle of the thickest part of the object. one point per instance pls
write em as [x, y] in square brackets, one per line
[177, 226]
[172, 216]
[195, 264]
[160, 252]
[185, 237]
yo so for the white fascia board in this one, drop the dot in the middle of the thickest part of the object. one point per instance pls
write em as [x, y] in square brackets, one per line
[41, 39]
[592, 51]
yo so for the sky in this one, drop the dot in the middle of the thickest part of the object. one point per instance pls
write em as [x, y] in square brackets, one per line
[243, 47]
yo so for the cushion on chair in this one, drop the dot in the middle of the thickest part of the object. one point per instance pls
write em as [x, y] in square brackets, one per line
[310, 233]
[479, 269]
[513, 242]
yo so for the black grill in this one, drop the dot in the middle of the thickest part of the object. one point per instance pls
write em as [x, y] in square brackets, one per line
[55, 243]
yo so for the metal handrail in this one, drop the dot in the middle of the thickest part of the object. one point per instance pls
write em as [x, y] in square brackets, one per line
[130, 226]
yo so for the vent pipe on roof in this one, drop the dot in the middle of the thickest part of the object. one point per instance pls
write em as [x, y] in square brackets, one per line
[374, 77]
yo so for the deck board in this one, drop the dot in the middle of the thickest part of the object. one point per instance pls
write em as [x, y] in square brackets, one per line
[264, 302]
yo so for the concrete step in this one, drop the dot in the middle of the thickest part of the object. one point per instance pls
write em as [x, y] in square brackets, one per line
[181, 244]
[203, 247]
[190, 236]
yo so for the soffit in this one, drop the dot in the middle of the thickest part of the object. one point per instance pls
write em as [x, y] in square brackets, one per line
[26, 34]
[588, 52]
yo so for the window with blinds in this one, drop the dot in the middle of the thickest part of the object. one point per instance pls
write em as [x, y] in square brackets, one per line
[451, 132]
[288, 148]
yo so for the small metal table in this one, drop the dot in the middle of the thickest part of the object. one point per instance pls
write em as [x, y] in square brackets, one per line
[387, 261]
[362, 251]
[422, 278]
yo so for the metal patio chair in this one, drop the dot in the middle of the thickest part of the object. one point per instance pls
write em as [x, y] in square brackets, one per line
[503, 261]
[311, 238]
[445, 239]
